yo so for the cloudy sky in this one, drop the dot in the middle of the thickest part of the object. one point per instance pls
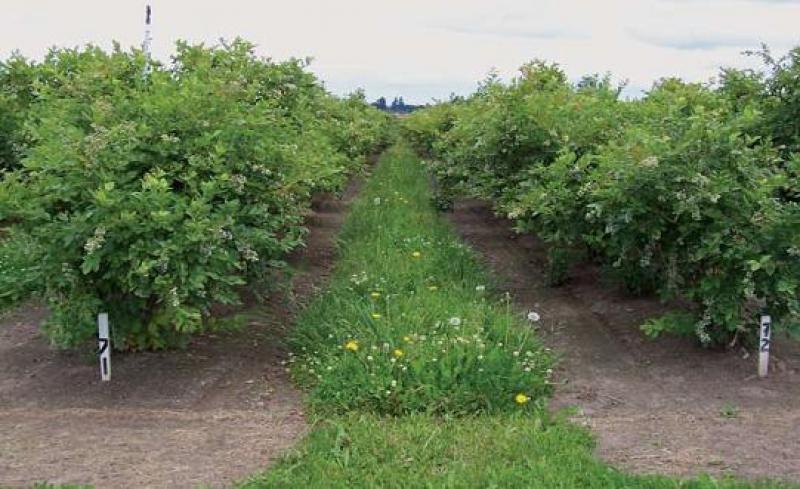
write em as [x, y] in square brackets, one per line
[426, 49]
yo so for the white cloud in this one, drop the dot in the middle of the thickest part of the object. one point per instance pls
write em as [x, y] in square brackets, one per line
[423, 49]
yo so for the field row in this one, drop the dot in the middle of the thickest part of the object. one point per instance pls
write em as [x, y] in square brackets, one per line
[153, 192]
[691, 193]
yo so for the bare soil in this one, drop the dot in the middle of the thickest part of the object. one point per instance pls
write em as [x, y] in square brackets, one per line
[213, 414]
[665, 406]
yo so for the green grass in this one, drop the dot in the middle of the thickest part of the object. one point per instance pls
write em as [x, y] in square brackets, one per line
[421, 451]
[407, 325]
[434, 443]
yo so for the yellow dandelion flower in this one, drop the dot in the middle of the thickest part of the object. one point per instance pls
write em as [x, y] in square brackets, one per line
[375, 295]
[407, 339]
[398, 353]
[521, 398]
[416, 254]
[351, 345]
[375, 315]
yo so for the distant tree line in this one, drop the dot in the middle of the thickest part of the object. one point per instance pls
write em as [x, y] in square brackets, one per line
[398, 106]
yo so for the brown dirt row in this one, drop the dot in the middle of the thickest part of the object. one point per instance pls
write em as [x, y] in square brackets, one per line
[665, 406]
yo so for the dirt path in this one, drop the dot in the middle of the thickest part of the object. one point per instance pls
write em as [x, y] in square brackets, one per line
[211, 415]
[656, 406]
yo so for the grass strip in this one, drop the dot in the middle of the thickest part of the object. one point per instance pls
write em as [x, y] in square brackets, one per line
[407, 324]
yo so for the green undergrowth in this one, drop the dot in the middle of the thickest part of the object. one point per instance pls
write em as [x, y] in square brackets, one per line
[422, 451]
[407, 324]
[19, 272]
[408, 294]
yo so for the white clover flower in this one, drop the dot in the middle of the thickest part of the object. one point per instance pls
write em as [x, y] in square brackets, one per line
[455, 321]
[480, 357]
[376, 201]
[649, 162]
[394, 383]
[534, 317]
[369, 358]
[480, 288]
[516, 353]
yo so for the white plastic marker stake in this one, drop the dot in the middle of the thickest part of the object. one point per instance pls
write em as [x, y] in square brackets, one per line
[104, 346]
[763, 345]
[148, 39]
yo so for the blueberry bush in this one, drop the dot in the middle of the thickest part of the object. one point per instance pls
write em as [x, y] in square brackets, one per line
[688, 192]
[154, 196]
